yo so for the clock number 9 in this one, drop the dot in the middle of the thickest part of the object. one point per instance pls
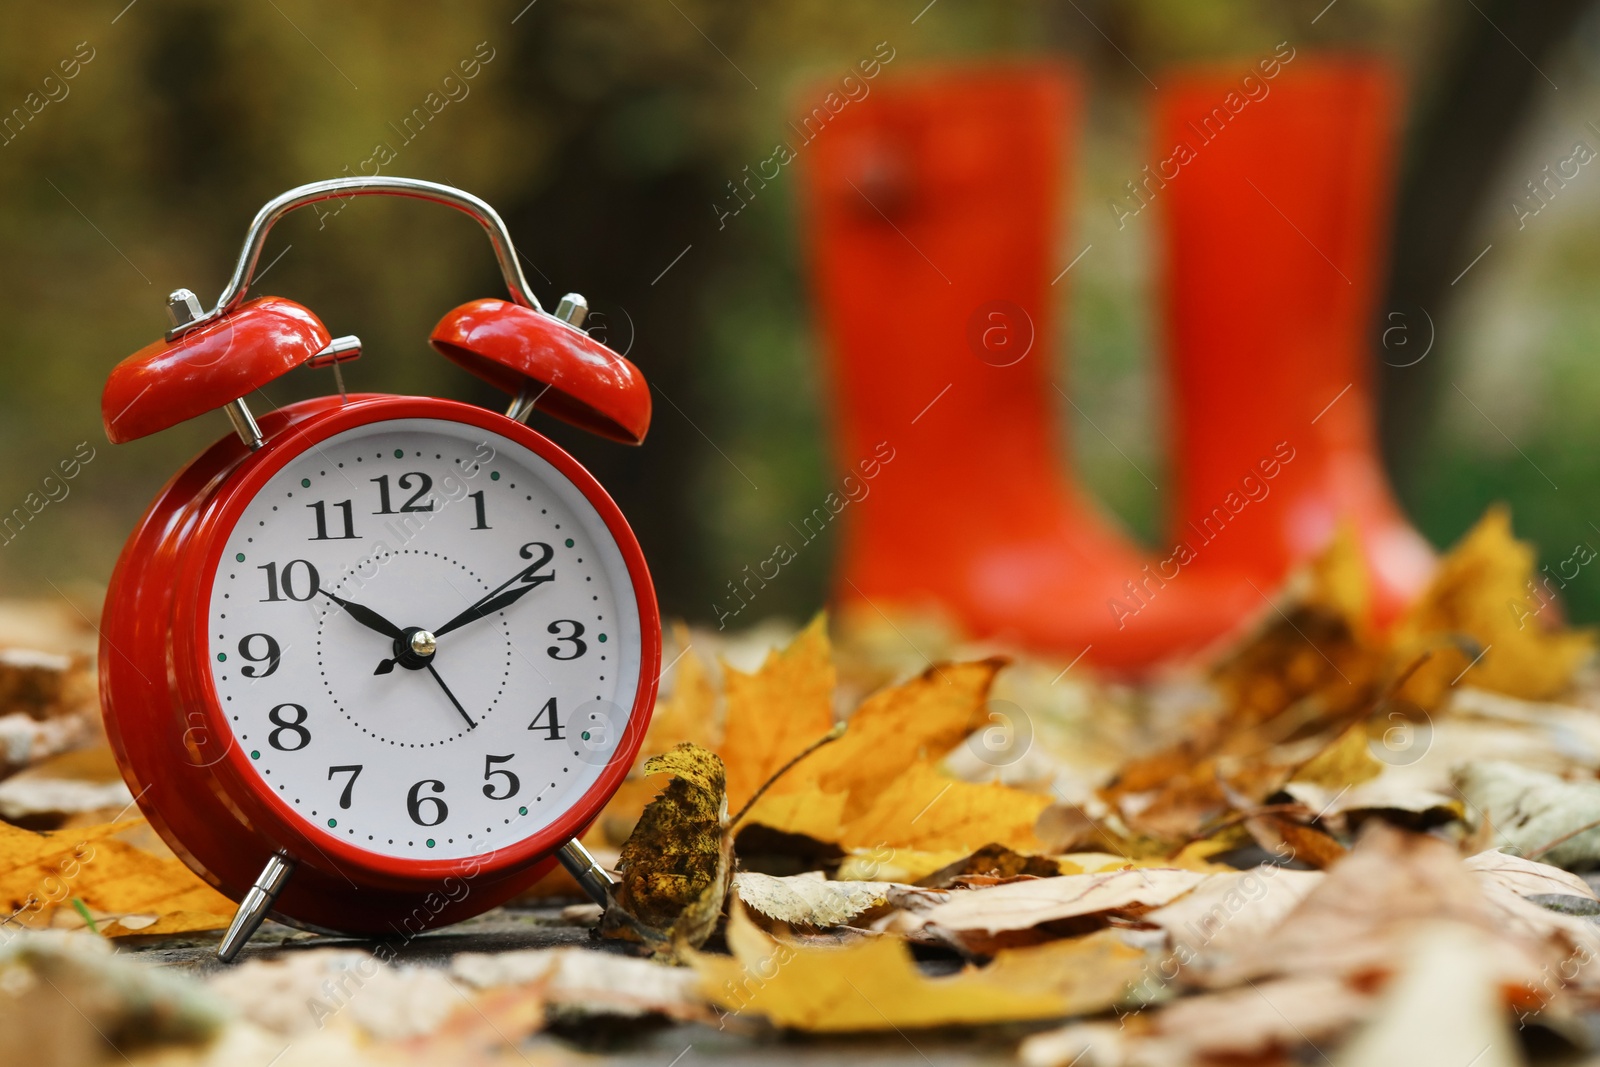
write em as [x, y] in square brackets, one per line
[296, 726]
[579, 645]
[290, 585]
[512, 782]
[270, 656]
[414, 803]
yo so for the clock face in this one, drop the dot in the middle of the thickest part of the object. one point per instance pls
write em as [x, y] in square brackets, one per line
[425, 639]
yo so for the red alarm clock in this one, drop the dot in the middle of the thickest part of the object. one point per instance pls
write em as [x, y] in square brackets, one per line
[372, 663]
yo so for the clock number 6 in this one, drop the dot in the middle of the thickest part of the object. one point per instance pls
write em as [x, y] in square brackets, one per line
[296, 726]
[354, 771]
[414, 803]
[579, 645]
[512, 782]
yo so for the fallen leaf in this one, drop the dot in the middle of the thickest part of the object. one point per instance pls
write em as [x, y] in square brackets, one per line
[923, 809]
[876, 985]
[299, 993]
[40, 872]
[676, 867]
[773, 714]
[70, 783]
[689, 713]
[996, 861]
[1346, 762]
[1528, 878]
[1293, 840]
[1358, 920]
[1484, 589]
[896, 728]
[62, 994]
[588, 982]
[986, 919]
[39, 684]
[809, 900]
[1444, 1009]
[1538, 814]
[1227, 912]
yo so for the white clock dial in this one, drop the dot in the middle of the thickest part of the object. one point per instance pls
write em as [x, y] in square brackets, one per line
[402, 526]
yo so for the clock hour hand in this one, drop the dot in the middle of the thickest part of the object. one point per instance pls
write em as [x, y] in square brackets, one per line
[365, 616]
[452, 696]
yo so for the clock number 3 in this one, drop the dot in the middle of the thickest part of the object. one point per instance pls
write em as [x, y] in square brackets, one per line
[354, 771]
[575, 638]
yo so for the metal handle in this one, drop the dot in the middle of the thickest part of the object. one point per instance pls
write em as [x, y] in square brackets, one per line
[340, 188]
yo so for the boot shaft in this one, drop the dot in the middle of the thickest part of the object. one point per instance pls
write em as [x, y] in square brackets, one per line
[1276, 202]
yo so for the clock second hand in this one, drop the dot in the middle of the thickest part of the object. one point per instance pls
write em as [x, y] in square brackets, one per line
[470, 724]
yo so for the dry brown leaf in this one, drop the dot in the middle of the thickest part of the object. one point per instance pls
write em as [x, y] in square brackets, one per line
[1285, 837]
[875, 984]
[676, 866]
[773, 714]
[1445, 1008]
[1227, 912]
[70, 783]
[809, 899]
[588, 982]
[1022, 912]
[1539, 814]
[1528, 878]
[998, 862]
[1358, 920]
[63, 995]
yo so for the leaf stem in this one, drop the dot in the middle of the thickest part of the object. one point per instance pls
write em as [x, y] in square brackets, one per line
[827, 738]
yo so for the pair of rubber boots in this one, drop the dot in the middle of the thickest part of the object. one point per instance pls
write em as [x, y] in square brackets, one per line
[932, 218]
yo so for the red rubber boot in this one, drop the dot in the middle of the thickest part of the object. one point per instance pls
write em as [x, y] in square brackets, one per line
[1275, 217]
[933, 210]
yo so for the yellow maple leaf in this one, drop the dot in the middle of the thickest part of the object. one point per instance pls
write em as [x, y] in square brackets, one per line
[775, 713]
[1347, 761]
[1484, 589]
[895, 728]
[43, 871]
[923, 809]
[690, 712]
[875, 984]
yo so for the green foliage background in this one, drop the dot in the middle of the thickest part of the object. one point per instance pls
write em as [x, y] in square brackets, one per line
[605, 131]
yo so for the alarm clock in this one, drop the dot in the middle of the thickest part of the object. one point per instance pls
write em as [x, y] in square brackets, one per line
[371, 664]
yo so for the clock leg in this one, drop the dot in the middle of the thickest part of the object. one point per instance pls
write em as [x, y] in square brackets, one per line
[588, 873]
[253, 909]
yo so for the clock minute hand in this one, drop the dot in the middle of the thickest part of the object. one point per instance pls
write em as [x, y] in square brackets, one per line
[365, 616]
[495, 602]
[498, 597]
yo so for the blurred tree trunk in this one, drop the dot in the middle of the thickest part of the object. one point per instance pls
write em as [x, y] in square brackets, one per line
[1461, 133]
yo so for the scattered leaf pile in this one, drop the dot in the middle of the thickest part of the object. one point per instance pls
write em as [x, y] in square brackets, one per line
[1332, 843]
